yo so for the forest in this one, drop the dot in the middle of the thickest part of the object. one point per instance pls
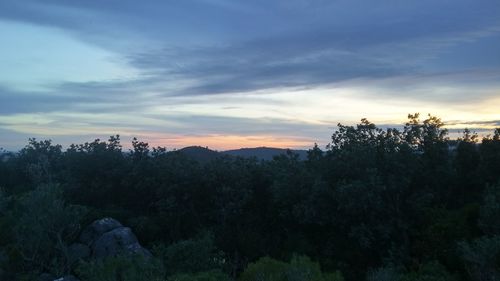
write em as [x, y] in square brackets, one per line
[376, 204]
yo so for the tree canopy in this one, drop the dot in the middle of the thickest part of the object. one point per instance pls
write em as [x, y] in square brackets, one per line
[375, 204]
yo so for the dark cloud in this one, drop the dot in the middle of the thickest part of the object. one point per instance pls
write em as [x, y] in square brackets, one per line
[14, 102]
[319, 55]
[73, 97]
[478, 123]
[260, 65]
[237, 46]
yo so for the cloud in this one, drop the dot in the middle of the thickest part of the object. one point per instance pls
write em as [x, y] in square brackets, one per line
[16, 102]
[209, 124]
[460, 88]
[475, 123]
[315, 58]
[251, 69]
[174, 131]
[294, 43]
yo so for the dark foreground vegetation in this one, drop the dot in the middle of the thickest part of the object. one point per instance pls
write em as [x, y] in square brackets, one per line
[376, 205]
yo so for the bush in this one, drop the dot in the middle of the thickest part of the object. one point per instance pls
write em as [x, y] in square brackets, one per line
[191, 256]
[215, 275]
[265, 269]
[431, 271]
[482, 257]
[490, 211]
[383, 274]
[335, 276]
[44, 226]
[300, 268]
[121, 269]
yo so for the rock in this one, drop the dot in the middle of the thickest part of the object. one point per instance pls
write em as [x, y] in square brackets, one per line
[137, 249]
[119, 241]
[77, 251]
[92, 232]
[67, 278]
[106, 238]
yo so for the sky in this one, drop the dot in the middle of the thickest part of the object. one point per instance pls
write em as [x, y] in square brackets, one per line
[242, 73]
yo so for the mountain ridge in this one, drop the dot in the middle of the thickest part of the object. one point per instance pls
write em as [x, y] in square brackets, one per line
[205, 154]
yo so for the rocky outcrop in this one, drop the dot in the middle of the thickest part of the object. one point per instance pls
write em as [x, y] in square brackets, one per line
[116, 242]
[96, 229]
[107, 238]
[103, 238]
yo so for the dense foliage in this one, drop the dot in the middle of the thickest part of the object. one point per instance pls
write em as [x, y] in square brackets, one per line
[377, 204]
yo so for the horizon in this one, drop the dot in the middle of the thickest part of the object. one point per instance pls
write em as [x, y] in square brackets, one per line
[235, 74]
[126, 144]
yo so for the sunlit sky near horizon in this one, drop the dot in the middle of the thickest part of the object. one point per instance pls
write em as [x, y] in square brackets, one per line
[242, 73]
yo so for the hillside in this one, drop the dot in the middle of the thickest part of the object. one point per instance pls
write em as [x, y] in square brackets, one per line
[263, 153]
[199, 153]
[204, 154]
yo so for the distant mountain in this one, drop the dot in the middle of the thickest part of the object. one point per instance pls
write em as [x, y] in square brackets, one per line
[264, 153]
[204, 154]
[201, 154]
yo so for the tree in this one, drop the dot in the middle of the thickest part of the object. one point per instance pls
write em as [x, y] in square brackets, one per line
[481, 258]
[466, 162]
[95, 170]
[430, 271]
[140, 150]
[490, 211]
[44, 226]
[300, 268]
[121, 269]
[430, 141]
[39, 161]
[490, 157]
[191, 256]
[425, 135]
[213, 275]
[387, 273]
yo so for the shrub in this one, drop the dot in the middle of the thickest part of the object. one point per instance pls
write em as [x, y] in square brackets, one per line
[431, 271]
[121, 269]
[43, 226]
[265, 269]
[214, 275]
[300, 268]
[481, 258]
[191, 256]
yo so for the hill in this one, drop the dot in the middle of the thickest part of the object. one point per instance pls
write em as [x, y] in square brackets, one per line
[199, 153]
[263, 153]
[204, 154]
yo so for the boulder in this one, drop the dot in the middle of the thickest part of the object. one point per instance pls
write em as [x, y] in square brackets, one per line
[92, 232]
[119, 241]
